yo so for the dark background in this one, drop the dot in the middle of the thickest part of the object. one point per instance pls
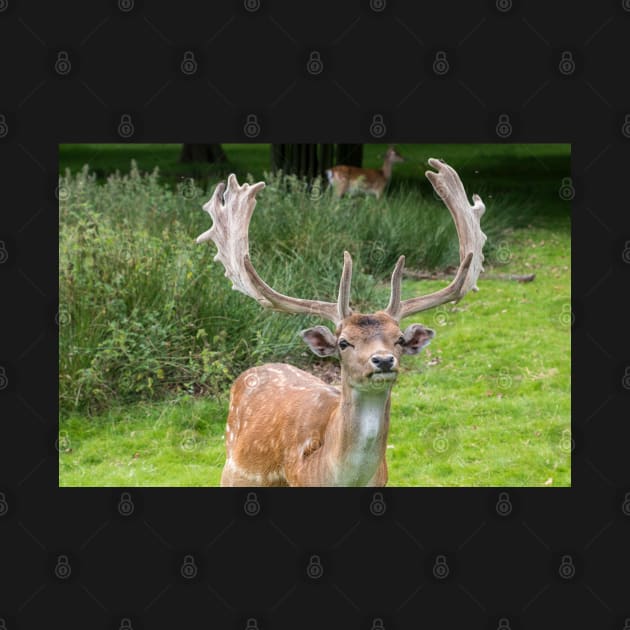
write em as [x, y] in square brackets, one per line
[73, 558]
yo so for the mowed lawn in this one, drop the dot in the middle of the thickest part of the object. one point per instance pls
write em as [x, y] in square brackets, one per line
[486, 404]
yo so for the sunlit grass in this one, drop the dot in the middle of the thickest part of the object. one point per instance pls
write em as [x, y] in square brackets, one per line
[487, 404]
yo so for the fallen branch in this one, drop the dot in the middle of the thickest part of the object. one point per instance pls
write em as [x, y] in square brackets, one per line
[444, 275]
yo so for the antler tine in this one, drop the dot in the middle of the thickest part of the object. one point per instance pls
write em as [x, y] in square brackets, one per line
[343, 299]
[393, 307]
[231, 210]
[449, 187]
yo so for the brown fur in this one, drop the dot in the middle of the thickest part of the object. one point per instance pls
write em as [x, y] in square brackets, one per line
[368, 180]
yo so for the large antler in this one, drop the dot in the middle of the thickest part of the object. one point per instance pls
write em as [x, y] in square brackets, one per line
[231, 210]
[449, 187]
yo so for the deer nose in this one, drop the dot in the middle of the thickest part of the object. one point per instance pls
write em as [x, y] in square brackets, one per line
[383, 362]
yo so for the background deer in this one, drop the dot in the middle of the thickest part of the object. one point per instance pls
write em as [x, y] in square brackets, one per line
[368, 180]
[286, 427]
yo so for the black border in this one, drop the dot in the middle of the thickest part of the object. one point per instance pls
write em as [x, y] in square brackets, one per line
[377, 59]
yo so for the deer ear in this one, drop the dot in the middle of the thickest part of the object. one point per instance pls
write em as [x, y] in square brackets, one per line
[417, 337]
[320, 340]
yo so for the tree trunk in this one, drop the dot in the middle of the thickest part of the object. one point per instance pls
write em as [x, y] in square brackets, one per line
[202, 153]
[350, 154]
[312, 160]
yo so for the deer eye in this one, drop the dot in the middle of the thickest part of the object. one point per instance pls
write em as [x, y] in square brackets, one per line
[343, 344]
[401, 341]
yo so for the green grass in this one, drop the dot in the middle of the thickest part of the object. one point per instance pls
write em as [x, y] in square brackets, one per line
[174, 443]
[151, 335]
[487, 404]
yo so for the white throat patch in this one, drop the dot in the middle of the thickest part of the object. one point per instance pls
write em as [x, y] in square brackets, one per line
[360, 462]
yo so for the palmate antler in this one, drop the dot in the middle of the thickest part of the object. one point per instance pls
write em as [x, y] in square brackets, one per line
[231, 210]
[449, 187]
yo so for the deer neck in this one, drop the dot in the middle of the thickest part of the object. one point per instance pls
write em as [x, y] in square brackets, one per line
[387, 168]
[356, 437]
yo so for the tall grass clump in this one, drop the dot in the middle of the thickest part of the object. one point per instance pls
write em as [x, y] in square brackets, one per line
[145, 312]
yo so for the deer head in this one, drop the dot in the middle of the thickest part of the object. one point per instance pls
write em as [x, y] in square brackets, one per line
[369, 347]
[392, 156]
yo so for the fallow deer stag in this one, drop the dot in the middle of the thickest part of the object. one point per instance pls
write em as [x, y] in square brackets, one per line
[372, 181]
[288, 428]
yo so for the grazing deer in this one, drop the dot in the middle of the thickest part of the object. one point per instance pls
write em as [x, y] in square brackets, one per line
[368, 180]
[285, 426]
